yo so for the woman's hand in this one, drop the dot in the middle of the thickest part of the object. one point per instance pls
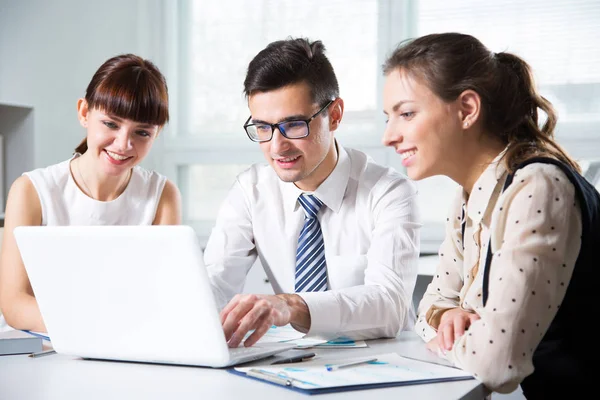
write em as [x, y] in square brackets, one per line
[452, 326]
[434, 346]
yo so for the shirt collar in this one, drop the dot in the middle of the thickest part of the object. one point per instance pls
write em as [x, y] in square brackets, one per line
[483, 189]
[330, 192]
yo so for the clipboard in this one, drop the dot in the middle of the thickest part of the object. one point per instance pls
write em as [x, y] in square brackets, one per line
[388, 370]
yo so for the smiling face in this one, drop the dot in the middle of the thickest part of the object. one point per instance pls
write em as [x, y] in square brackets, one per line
[117, 144]
[307, 161]
[423, 129]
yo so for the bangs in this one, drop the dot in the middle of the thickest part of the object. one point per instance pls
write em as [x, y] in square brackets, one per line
[134, 94]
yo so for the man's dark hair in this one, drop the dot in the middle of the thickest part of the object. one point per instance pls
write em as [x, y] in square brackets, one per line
[291, 61]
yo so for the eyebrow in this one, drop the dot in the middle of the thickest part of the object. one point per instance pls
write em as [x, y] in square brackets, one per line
[398, 105]
[140, 125]
[297, 117]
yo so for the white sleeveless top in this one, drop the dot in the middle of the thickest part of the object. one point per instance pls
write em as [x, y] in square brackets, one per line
[63, 203]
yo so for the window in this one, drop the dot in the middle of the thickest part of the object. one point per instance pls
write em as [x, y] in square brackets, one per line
[205, 146]
[558, 38]
[223, 40]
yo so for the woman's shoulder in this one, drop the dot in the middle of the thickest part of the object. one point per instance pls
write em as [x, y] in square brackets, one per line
[60, 167]
[52, 175]
[22, 185]
[147, 174]
[147, 182]
[536, 180]
[23, 198]
[540, 172]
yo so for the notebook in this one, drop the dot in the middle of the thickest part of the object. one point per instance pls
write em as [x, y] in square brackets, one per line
[18, 342]
[129, 293]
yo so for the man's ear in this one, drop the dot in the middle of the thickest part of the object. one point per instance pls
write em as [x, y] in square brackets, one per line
[82, 112]
[469, 103]
[336, 112]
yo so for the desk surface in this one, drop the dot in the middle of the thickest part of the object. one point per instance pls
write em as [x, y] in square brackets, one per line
[64, 377]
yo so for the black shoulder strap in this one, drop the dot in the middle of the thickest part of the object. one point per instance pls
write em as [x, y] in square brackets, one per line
[463, 224]
[488, 257]
[509, 179]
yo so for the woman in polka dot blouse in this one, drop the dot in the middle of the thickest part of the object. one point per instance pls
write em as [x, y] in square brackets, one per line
[454, 108]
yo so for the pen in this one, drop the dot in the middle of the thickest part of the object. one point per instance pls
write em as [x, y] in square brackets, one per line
[298, 358]
[350, 364]
[42, 353]
[270, 377]
[37, 335]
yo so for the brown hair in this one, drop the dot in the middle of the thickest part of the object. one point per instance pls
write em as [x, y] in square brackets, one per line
[450, 63]
[129, 87]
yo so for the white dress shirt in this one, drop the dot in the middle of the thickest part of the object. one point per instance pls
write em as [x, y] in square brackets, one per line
[535, 229]
[370, 226]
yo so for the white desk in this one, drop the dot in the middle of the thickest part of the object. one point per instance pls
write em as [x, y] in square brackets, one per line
[63, 377]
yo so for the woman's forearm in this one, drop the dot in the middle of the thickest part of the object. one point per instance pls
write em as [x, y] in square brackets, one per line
[21, 311]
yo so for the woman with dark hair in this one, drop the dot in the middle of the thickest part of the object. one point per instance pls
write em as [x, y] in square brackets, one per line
[125, 107]
[514, 272]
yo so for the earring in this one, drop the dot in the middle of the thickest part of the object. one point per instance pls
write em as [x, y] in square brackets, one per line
[466, 124]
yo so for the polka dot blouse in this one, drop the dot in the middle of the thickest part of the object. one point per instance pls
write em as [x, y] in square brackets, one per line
[535, 229]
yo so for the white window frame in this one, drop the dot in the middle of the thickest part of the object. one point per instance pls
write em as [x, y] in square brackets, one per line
[397, 21]
[177, 151]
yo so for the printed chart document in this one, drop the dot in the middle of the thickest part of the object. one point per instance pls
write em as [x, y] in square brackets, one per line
[280, 334]
[388, 369]
[289, 335]
[343, 343]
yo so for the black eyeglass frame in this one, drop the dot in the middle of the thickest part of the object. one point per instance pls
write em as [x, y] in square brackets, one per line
[282, 131]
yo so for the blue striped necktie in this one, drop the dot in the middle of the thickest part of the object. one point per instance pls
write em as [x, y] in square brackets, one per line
[311, 269]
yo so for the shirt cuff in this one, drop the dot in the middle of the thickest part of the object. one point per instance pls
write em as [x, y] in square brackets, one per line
[424, 330]
[324, 313]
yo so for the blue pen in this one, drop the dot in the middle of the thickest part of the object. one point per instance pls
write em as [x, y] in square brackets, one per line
[36, 334]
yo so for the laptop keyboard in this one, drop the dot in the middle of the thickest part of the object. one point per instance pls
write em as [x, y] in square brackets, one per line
[245, 351]
[246, 354]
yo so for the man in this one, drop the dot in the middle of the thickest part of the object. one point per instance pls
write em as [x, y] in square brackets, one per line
[336, 233]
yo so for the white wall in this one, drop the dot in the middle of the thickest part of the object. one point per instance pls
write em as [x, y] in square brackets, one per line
[49, 51]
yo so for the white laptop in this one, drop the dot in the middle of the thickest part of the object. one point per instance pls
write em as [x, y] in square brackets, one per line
[129, 293]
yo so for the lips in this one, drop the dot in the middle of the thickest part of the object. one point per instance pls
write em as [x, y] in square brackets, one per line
[286, 162]
[408, 156]
[405, 154]
[287, 159]
[116, 158]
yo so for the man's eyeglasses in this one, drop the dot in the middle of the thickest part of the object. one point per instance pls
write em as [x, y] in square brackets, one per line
[292, 129]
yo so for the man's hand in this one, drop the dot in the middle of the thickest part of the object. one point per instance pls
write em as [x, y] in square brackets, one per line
[452, 326]
[259, 312]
